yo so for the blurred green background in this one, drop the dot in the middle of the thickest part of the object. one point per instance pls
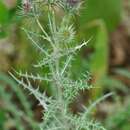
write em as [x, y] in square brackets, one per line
[106, 57]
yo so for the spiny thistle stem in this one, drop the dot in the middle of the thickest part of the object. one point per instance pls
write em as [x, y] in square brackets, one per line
[57, 56]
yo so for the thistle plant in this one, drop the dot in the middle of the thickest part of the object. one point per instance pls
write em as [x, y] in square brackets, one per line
[57, 45]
